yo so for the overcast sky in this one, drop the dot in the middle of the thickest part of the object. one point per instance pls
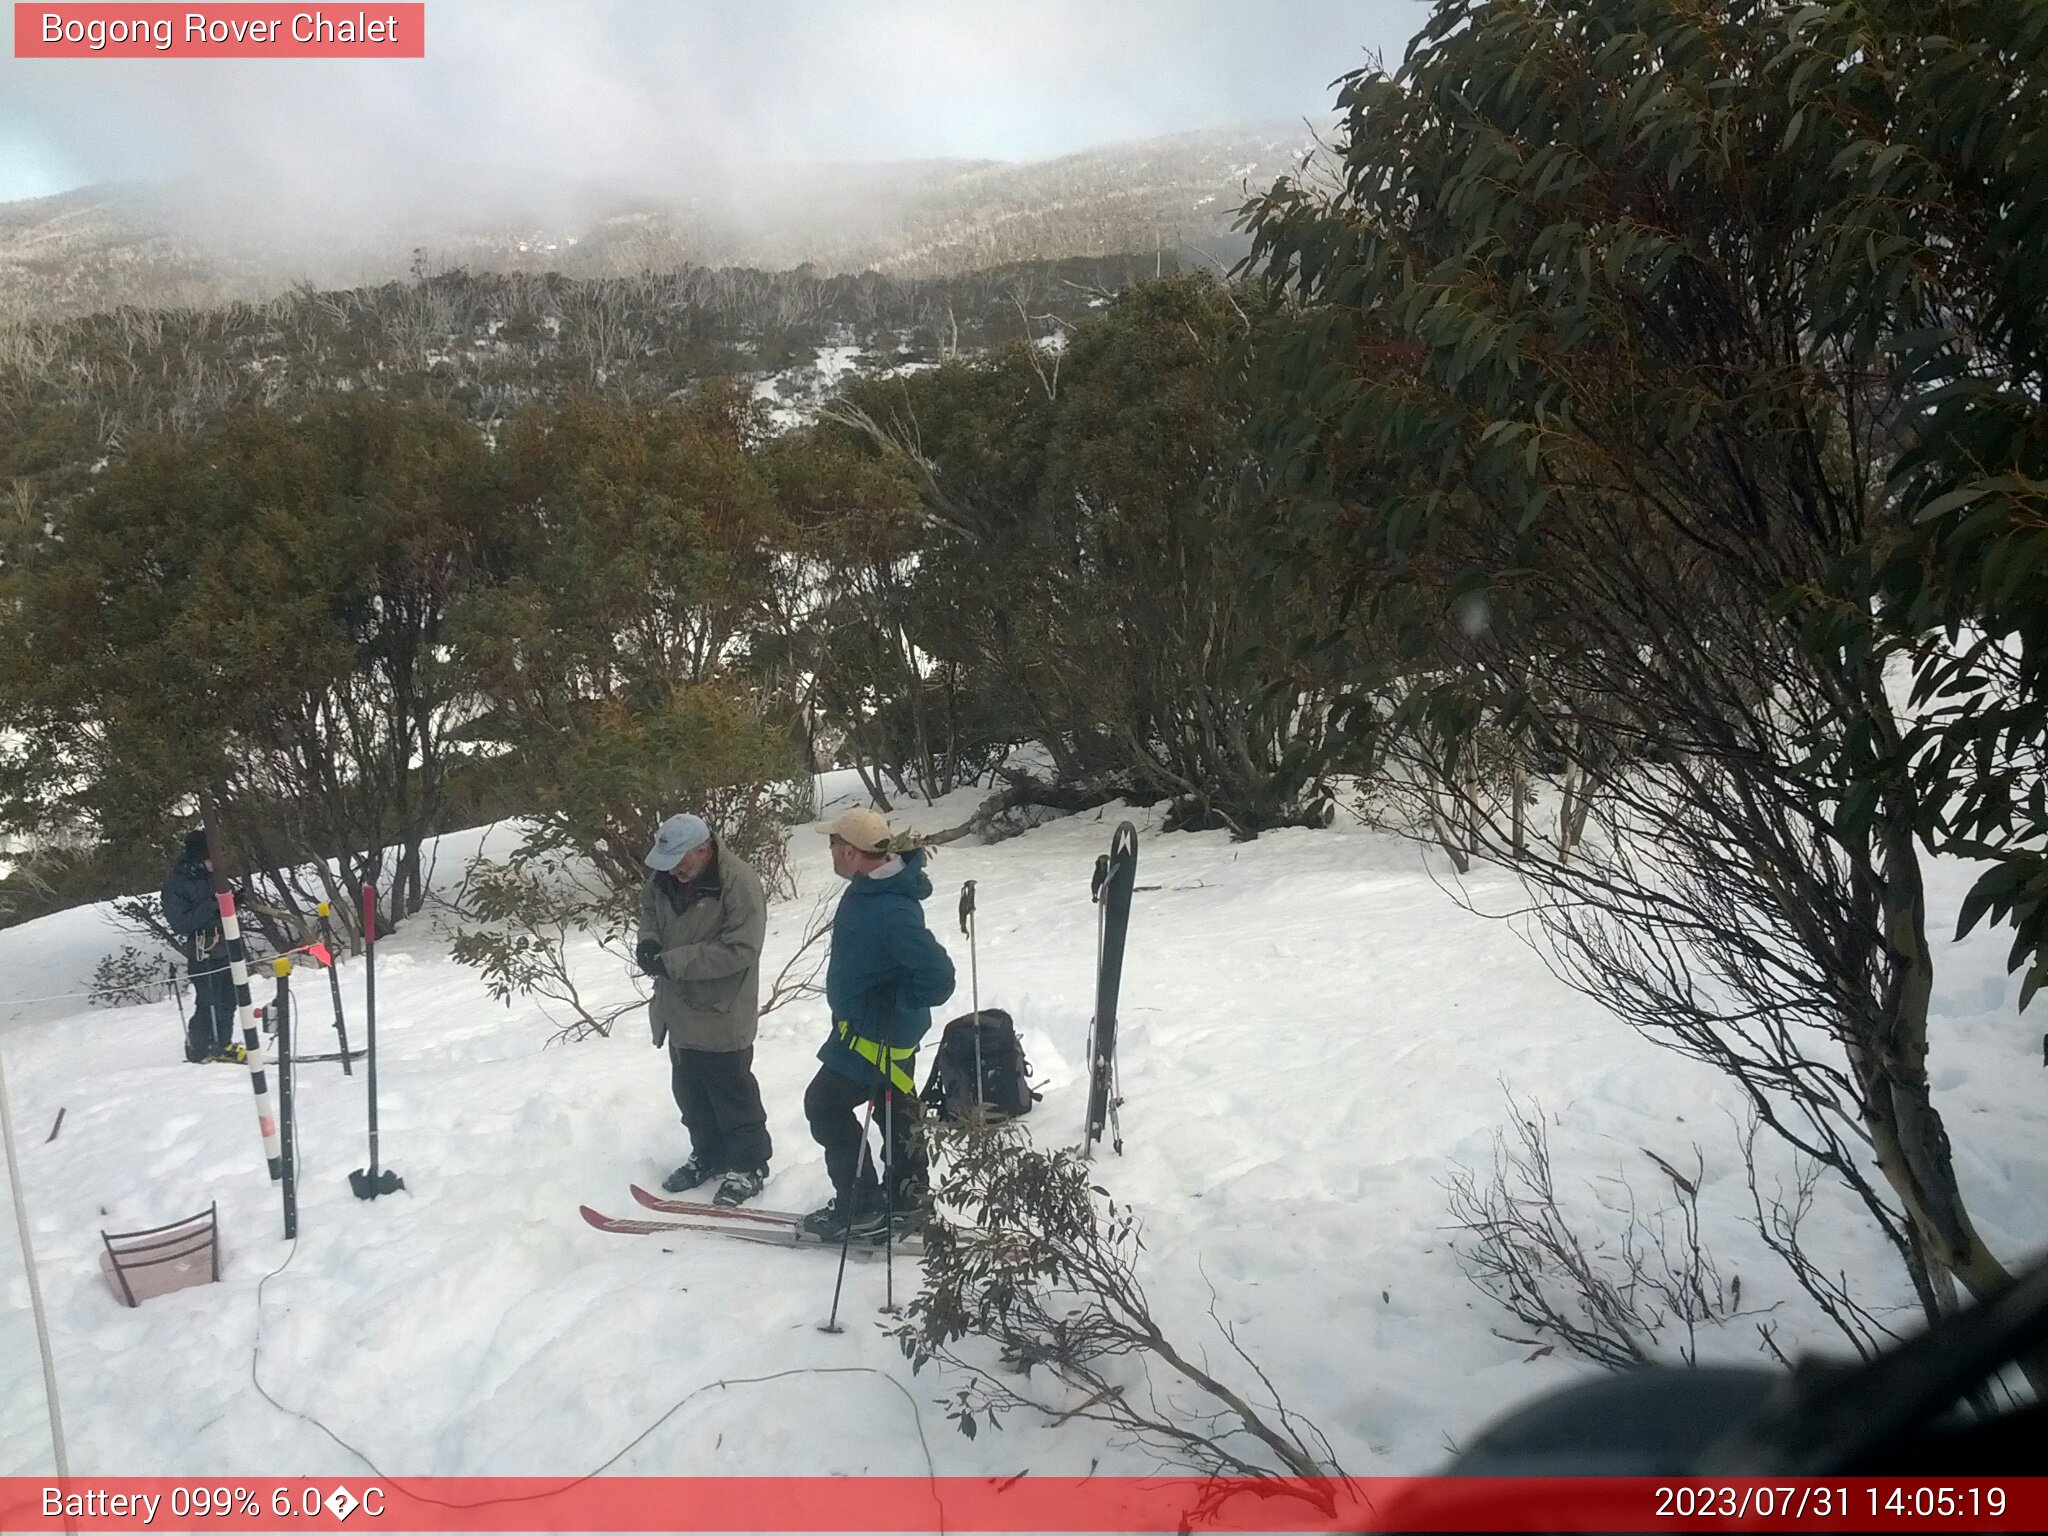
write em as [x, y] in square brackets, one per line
[636, 93]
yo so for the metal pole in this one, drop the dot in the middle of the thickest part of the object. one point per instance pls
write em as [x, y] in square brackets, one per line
[369, 1183]
[370, 1010]
[35, 1289]
[281, 1017]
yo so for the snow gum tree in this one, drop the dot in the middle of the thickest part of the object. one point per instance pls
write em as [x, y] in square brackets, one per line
[254, 616]
[1093, 523]
[867, 628]
[607, 654]
[1596, 377]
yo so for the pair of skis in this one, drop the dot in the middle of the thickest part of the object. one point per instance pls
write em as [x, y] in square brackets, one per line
[776, 1229]
[1116, 872]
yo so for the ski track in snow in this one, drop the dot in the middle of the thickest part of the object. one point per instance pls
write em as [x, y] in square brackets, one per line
[1312, 1035]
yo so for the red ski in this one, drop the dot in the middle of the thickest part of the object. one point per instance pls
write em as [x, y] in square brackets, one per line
[675, 1207]
[776, 1234]
[752, 1232]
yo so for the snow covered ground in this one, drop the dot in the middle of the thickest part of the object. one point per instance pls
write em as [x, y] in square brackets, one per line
[794, 396]
[1314, 1034]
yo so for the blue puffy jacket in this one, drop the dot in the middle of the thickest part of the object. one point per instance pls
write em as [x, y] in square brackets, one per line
[885, 976]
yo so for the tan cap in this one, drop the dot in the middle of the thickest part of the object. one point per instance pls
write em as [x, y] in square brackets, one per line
[862, 828]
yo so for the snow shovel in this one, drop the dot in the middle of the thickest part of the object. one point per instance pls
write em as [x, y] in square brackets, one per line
[369, 1183]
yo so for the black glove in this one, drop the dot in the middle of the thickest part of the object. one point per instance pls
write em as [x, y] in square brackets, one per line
[649, 955]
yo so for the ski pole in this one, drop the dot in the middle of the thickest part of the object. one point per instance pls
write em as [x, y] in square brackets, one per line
[889, 1192]
[334, 987]
[831, 1324]
[973, 980]
[178, 996]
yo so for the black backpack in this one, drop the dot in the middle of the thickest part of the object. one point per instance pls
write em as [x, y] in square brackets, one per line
[1005, 1074]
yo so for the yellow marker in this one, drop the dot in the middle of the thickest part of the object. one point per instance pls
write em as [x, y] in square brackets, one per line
[323, 909]
[282, 965]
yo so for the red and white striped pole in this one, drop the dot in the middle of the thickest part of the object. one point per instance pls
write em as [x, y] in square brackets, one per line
[245, 1004]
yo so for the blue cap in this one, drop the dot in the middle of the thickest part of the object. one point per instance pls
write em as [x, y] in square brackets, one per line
[678, 836]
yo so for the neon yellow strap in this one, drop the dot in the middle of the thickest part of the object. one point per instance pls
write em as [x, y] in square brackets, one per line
[895, 1064]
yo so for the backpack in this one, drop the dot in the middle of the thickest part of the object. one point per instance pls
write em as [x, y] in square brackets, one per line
[1005, 1074]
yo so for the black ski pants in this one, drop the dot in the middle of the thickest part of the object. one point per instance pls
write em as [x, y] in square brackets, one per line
[721, 1106]
[212, 1026]
[835, 1105]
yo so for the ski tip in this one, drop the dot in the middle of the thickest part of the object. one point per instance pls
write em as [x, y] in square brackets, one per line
[646, 1197]
[595, 1218]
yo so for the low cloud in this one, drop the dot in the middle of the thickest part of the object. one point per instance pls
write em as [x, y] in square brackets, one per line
[548, 111]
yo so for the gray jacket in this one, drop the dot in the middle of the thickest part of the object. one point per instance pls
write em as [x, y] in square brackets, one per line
[711, 998]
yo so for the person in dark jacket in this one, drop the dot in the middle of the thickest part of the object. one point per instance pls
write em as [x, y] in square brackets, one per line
[885, 974]
[193, 913]
[702, 918]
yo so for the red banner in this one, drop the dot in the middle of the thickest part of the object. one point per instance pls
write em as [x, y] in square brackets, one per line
[1021, 1503]
[213, 31]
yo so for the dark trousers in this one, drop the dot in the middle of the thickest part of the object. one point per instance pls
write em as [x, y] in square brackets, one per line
[835, 1105]
[212, 1026]
[721, 1105]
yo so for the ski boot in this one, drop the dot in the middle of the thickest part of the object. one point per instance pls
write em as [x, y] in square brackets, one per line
[740, 1186]
[879, 1226]
[829, 1222]
[689, 1176]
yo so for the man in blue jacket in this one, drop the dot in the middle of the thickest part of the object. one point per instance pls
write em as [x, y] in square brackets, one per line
[885, 975]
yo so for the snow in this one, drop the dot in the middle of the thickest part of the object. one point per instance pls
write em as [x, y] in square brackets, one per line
[836, 362]
[1314, 1033]
[794, 396]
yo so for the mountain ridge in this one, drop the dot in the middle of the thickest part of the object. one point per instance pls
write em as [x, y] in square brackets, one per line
[118, 244]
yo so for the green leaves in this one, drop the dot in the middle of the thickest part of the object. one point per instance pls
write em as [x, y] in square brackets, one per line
[1704, 278]
[214, 608]
[2013, 890]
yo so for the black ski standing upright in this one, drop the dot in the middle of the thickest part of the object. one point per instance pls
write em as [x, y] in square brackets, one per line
[1115, 873]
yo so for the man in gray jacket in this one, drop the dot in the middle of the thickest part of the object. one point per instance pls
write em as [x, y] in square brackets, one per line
[702, 918]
